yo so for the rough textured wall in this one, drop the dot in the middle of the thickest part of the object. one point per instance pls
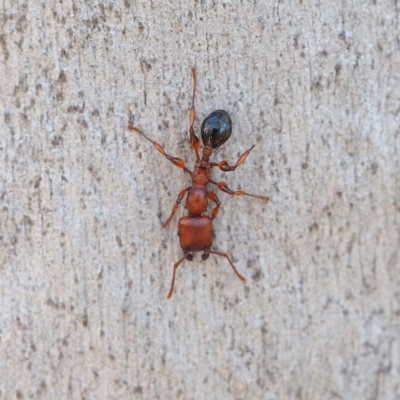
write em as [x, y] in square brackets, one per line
[85, 266]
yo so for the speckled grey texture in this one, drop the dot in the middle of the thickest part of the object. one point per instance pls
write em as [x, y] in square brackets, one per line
[84, 264]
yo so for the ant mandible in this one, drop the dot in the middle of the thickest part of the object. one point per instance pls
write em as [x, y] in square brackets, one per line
[195, 230]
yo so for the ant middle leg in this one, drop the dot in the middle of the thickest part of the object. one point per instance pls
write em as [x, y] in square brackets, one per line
[223, 186]
[222, 254]
[181, 195]
[188, 256]
[194, 140]
[178, 162]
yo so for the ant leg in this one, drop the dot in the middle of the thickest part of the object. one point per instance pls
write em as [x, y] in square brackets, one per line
[176, 265]
[181, 195]
[178, 162]
[194, 140]
[213, 197]
[224, 166]
[220, 253]
[222, 186]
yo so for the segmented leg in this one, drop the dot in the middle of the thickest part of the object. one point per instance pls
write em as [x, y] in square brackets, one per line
[178, 162]
[224, 166]
[220, 253]
[181, 195]
[213, 197]
[176, 265]
[223, 186]
[194, 140]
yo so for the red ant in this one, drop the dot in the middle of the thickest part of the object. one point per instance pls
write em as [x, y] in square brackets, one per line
[195, 230]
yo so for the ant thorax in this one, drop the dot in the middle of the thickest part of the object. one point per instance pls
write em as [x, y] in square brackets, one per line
[201, 175]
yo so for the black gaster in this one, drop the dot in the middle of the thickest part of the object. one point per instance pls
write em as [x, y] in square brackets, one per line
[216, 129]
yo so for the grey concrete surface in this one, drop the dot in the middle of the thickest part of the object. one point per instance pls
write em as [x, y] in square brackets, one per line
[84, 264]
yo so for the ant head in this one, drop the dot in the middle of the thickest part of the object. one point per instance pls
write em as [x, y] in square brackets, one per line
[216, 129]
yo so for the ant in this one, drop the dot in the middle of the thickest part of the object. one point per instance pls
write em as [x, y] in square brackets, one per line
[195, 230]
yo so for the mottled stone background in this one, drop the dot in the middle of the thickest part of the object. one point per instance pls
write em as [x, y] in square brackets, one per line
[84, 264]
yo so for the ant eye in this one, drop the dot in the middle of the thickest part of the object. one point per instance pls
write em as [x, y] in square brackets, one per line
[216, 129]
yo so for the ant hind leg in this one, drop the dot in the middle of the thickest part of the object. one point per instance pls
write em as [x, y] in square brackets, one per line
[194, 140]
[224, 166]
[224, 187]
[178, 162]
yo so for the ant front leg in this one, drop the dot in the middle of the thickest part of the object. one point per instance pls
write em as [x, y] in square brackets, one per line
[181, 195]
[178, 162]
[224, 166]
[176, 265]
[213, 197]
[220, 253]
[194, 140]
[223, 186]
